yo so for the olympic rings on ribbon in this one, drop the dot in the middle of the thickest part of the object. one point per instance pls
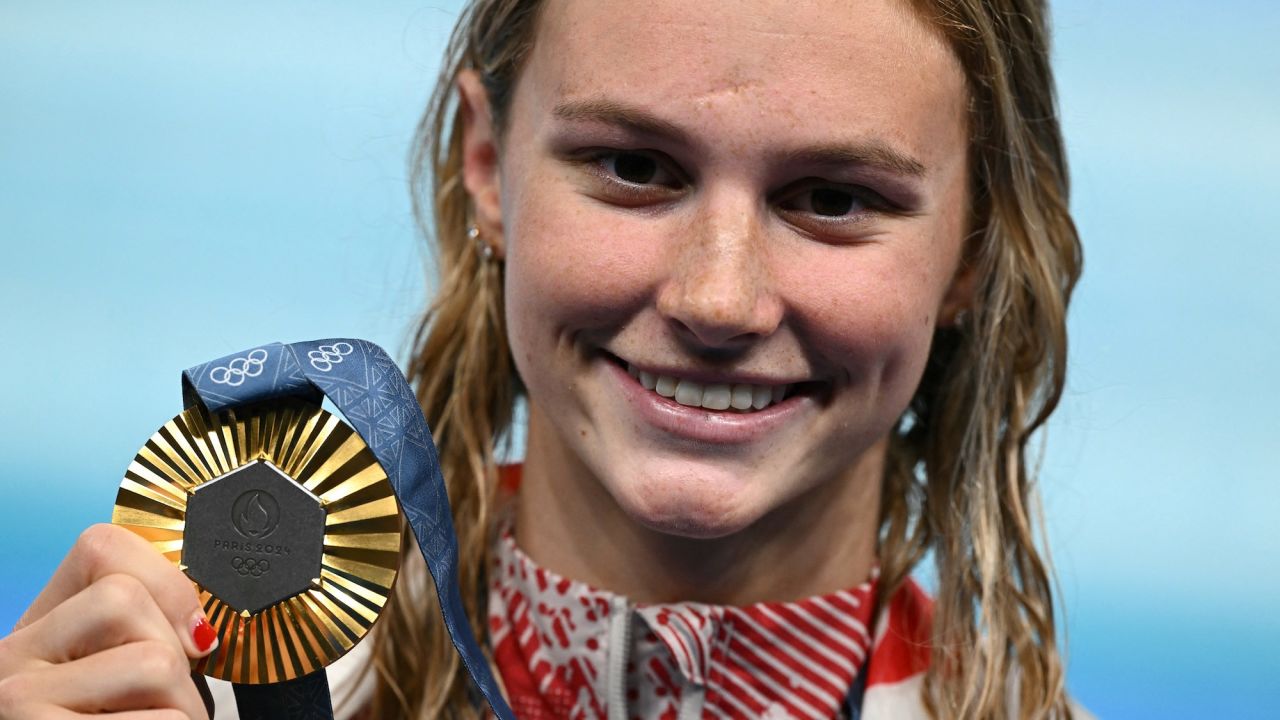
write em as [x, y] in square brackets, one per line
[235, 371]
[323, 358]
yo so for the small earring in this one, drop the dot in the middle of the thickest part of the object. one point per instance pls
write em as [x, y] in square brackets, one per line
[960, 317]
[482, 247]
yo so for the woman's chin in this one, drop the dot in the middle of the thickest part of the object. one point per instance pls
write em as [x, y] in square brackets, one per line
[692, 507]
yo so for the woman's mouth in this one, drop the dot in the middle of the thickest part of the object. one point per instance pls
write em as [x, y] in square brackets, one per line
[739, 397]
[710, 407]
[724, 396]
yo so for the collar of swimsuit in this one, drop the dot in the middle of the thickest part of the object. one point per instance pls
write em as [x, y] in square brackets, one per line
[567, 650]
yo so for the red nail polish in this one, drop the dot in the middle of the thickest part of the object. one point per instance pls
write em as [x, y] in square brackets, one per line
[204, 635]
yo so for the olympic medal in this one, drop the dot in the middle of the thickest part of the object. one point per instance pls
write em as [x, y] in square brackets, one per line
[283, 519]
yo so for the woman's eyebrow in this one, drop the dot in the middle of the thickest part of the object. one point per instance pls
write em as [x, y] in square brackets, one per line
[872, 152]
[612, 112]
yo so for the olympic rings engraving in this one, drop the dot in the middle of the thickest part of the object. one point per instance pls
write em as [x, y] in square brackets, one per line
[250, 566]
[235, 371]
[323, 358]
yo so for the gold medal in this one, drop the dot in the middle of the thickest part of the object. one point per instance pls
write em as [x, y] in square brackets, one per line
[284, 520]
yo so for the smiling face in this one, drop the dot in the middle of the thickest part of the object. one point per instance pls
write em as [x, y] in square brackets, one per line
[730, 231]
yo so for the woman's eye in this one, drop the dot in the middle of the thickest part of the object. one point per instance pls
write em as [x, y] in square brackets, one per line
[830, 202]
[833, 210]
[827, 202]
[637, 168]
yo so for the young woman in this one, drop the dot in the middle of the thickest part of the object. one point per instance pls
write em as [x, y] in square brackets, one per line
[784, 288]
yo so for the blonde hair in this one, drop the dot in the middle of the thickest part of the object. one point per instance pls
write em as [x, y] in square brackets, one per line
[958, 481]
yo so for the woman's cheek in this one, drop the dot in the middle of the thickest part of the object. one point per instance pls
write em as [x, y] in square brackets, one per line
[585, 267]
[870, 318]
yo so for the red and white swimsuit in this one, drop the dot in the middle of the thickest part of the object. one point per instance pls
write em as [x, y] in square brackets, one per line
[567, 651]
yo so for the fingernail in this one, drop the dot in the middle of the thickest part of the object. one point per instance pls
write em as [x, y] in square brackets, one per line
[203, 633]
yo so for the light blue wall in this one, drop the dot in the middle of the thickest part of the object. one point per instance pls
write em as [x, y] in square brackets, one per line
[176, 184]
[1160, 476]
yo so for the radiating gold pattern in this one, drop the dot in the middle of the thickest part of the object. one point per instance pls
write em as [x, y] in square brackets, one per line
[362, 529]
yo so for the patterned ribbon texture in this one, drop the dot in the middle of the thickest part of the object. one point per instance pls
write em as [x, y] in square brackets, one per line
[363, 382]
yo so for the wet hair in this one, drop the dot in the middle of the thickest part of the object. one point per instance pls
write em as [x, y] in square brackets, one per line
[959, 482]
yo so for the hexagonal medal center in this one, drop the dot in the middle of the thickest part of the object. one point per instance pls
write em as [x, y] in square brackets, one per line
[254, 537]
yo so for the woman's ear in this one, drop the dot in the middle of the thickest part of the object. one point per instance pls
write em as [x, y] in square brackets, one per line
[480, 171]
[959, 297]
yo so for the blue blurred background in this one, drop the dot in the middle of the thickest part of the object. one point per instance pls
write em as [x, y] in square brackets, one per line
[180, 181]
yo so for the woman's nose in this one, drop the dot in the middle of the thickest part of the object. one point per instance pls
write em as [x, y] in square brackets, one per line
[719, 292]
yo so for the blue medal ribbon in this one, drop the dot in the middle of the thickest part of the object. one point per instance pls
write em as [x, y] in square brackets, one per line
[367, 387]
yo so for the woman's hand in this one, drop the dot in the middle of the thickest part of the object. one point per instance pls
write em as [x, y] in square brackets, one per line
[112, 632]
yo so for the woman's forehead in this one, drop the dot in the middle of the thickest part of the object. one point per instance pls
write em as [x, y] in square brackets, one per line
[861, 67]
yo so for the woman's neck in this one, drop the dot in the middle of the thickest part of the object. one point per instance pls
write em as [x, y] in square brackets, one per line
[822, 541]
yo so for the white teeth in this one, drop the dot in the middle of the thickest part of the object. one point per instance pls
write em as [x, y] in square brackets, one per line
[665, 386]
[717, 396]
[689, 393]
[761, 396]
